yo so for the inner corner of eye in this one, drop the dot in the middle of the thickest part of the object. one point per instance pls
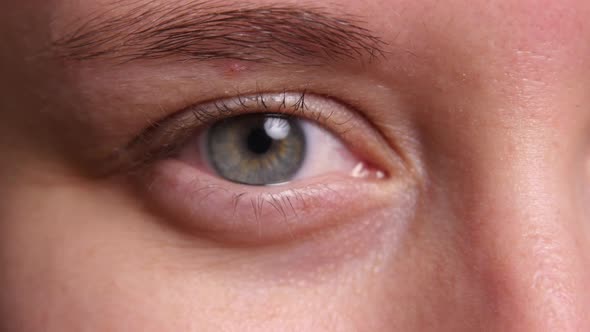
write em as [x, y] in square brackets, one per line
[269, 149]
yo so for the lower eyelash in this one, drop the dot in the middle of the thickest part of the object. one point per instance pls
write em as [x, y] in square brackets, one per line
[285, 203]
[260, 215]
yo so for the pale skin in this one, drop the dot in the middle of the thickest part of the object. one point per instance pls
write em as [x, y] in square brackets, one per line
[477, 111]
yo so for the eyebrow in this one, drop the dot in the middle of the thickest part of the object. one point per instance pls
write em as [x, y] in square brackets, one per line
[212, 30]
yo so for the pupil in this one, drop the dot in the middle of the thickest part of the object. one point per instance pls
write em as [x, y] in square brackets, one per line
[258, 141]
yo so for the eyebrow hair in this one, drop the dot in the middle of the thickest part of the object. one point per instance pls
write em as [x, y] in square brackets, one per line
[210, 30]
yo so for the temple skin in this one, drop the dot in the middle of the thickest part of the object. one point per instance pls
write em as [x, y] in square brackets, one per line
[483, 223]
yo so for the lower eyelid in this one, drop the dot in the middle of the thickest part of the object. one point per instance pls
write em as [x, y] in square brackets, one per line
[201, 204]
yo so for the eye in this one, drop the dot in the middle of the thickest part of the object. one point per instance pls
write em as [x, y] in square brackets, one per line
[271, 149]
[257, 169]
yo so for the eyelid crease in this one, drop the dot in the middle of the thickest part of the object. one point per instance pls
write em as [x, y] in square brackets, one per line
[165, 138]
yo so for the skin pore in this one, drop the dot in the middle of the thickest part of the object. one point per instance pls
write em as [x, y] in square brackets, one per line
[470, 210]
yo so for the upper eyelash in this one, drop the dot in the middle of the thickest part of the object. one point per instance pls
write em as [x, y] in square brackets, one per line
[176, 133]
[222, 108]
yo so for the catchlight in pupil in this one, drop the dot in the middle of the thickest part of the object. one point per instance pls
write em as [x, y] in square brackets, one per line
[257, 149]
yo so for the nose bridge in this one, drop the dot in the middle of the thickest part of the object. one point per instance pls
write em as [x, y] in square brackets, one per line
[523, 245]
[521, 229]
[501, 142]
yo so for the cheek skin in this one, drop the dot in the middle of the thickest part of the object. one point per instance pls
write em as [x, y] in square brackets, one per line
[94, 268]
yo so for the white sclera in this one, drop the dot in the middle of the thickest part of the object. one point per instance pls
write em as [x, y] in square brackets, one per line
[325, 153]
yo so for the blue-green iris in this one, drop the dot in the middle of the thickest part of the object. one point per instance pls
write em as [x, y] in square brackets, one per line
[257, 149]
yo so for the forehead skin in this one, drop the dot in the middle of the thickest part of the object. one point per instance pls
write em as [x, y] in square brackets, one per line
[450, 42]
[496, 233]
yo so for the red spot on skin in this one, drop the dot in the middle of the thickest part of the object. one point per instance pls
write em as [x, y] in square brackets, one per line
[233, 69]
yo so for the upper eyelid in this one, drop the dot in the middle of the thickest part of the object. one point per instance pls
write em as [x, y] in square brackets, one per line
[165, 137]
[289, 104]
[221, 106]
